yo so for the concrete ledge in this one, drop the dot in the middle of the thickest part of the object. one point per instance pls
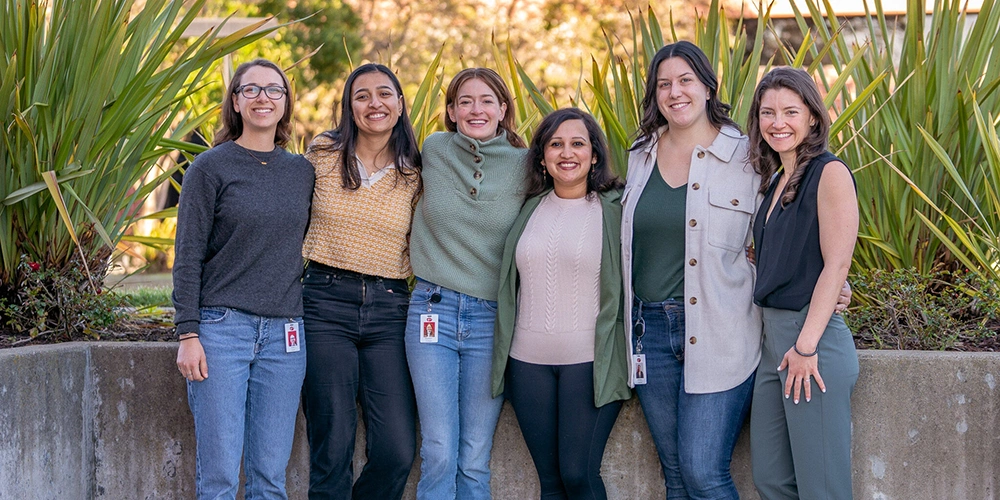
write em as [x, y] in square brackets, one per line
[110, 420]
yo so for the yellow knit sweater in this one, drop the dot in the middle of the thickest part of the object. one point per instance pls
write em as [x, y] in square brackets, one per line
[366, 230]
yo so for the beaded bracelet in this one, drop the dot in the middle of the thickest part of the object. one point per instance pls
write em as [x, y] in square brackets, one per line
[795, 346]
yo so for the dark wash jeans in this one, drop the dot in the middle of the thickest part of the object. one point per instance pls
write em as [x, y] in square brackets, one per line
[354, 327]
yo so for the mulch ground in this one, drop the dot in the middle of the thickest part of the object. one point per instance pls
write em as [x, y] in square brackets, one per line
[157, 326]
[139, 329]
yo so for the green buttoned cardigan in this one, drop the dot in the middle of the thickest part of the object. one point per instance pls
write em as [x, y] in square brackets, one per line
[610, 358]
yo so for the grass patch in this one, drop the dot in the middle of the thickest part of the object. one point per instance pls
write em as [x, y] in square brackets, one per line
[145, 297]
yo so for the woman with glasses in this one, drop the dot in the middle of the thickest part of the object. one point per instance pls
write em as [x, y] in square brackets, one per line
[355, 293]
[242, 215]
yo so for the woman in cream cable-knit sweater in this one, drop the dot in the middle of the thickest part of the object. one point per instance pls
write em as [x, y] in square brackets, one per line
[355, 292]
[560, 332]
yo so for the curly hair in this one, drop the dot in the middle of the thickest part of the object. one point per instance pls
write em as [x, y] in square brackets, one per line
[601, 178]
[766, 160]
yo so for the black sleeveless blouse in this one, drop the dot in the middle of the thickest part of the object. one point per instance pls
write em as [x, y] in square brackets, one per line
[789, 260]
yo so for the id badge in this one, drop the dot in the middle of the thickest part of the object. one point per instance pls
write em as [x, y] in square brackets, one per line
[639, 361]
[428, 328]
[292, 335]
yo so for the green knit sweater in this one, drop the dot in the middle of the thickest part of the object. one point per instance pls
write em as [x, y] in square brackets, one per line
[473, 191]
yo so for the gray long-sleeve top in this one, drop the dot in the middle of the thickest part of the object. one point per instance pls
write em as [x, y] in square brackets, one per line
[240, 226]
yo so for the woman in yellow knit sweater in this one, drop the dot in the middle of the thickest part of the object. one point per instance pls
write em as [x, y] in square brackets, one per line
[355, 293]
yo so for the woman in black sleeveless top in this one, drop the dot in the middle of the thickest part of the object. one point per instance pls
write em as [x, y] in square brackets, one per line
[804, 237]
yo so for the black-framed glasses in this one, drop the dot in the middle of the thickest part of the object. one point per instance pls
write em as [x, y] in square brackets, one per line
[273, 92]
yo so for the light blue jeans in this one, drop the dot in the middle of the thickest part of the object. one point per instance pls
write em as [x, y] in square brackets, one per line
[451, 380]
[247, 405]
[694, 434]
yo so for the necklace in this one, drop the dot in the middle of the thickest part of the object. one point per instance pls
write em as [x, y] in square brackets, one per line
[262, 162]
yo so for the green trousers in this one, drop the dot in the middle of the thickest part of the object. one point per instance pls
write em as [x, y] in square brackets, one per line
[803, 450]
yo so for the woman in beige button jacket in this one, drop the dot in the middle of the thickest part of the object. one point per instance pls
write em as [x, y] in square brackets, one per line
[688, 204]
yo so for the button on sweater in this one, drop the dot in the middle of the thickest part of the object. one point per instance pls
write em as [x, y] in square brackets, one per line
[473, 191]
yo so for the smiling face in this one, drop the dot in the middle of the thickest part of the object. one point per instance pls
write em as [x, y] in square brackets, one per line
[785, 122]
[261, 114]
[375, 103]
[477, 111]
[680, 95]
[569, 156]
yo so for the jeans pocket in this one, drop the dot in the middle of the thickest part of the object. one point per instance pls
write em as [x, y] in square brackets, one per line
[211, 315]
[490, 305]
[314, 278]
[422, 293]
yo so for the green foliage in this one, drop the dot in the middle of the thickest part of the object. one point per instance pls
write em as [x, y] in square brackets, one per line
[923, 141]
[904, 309]
[91, 97]
[57, 303]
[326, 34]
[145, 297]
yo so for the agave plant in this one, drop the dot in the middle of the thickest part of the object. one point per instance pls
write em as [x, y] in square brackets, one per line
[925, 142]
[91, 96]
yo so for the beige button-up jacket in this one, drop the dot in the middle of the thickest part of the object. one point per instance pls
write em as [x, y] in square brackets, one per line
[723, 327]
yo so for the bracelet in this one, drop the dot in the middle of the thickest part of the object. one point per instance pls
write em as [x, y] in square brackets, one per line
[795, 346]
[192, 336]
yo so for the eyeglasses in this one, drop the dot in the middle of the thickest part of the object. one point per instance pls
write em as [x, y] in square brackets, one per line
[273, 92]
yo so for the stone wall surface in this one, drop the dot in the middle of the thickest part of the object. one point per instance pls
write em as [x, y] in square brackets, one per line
[110, 420]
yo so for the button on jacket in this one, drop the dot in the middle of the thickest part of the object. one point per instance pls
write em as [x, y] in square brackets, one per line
[723, 325]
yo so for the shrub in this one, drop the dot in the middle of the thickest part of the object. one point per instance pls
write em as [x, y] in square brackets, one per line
[58, 303]
[941, 310]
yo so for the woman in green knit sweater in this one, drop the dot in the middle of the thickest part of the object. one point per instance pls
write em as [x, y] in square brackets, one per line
[474, 184]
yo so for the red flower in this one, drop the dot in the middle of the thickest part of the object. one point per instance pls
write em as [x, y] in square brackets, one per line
[34, 266]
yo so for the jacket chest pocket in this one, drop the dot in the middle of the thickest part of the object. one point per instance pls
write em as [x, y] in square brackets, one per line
[730, 212]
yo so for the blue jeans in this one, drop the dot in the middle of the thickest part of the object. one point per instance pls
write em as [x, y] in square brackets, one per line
[451, 380]
[694, 434]
[247, 405]
[354, 325]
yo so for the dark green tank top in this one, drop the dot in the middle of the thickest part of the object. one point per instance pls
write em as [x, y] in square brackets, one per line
[658, 241]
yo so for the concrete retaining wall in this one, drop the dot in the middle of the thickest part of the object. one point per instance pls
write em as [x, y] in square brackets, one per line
[110, 420]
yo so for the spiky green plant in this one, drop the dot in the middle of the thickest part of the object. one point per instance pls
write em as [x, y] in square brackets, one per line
[924, 143]
[91, 96]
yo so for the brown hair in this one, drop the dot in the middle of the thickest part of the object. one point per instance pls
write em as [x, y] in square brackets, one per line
[232, 122]
[497, 85]
[601, 177]
[766, 160]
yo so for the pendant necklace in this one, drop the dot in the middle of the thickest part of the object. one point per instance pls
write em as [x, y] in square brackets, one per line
[262, 162]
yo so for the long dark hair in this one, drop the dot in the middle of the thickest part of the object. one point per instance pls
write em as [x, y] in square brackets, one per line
[232, 122]
[344, 136]
[497, 85]
[652, 119]
[766, 160]
[602, 178]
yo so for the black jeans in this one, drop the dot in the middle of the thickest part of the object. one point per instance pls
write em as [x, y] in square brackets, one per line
[565, 433]
[354, 328]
